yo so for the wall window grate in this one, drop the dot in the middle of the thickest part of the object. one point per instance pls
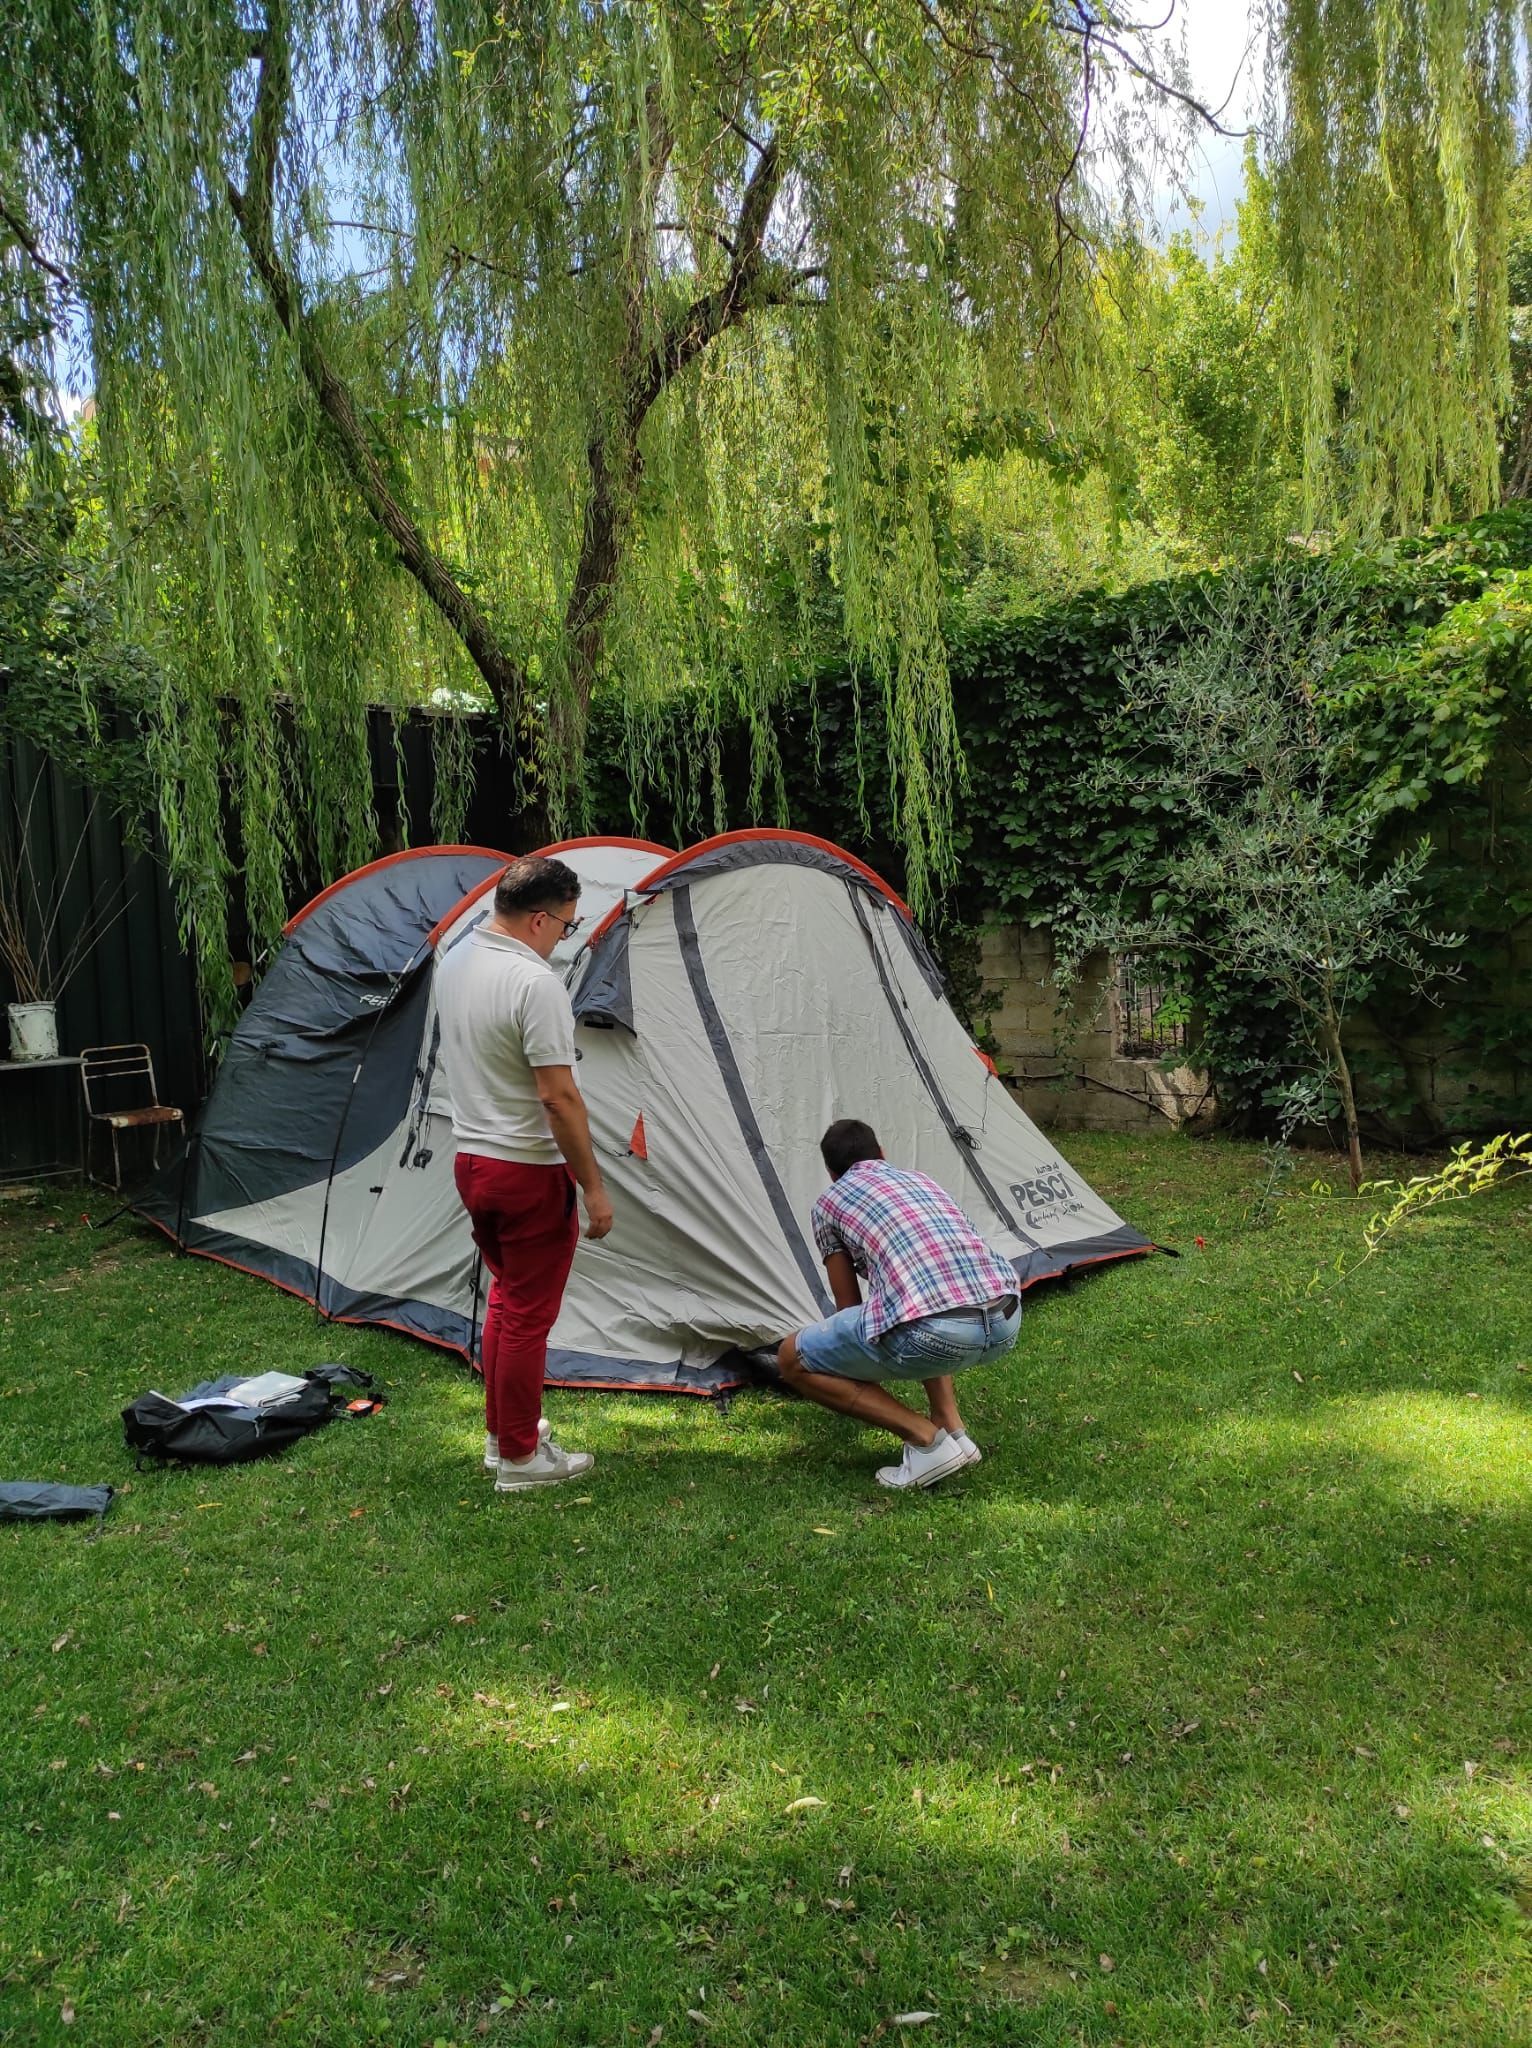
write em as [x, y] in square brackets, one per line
[1150, 1018]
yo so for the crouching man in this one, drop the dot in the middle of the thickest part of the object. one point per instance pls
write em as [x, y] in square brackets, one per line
[938, 1301]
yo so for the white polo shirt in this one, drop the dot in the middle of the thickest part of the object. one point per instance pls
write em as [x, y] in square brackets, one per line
[503, 1011]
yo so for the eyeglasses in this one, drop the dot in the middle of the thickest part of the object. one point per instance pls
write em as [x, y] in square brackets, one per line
[571, 924]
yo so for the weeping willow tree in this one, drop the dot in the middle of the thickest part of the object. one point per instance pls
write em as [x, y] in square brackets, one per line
[1391, 132]
[516, 347]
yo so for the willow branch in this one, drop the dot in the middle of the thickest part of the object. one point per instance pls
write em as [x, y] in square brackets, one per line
[1064, 229]
[614, 456]
[253, 211]
[28, 242]
[985, 53]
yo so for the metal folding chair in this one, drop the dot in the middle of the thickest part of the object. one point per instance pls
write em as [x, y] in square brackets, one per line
[108, 1073]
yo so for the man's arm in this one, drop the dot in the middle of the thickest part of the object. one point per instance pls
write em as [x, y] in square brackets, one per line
[844, 1284]
[564, 1107]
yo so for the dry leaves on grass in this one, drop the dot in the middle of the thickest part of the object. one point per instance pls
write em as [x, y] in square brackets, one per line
[404, 1978]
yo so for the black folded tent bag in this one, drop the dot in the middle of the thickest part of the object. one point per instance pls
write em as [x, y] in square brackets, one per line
[157, 1427]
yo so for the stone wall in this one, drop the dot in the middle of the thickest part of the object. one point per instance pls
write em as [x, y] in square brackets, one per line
[1067, 1069]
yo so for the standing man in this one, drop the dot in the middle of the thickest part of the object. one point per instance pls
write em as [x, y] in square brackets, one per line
[938, 1301]
[523, 1141]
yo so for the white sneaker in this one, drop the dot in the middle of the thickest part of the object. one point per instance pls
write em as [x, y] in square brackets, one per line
[492, 1444]
[549, 1465]
[972, 1455]
[924, 1465]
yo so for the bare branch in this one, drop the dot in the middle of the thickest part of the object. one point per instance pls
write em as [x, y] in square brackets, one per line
[681, 227]
[1086, 26]
[738, 128]
[457, 255]
[373, 227]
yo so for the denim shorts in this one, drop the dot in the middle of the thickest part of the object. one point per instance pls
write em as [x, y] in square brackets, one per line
[910, 1351]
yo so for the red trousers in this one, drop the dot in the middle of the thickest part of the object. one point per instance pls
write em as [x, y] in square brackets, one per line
[526, 1224]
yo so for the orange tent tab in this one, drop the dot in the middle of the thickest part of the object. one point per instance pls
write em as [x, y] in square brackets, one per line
[638, 1145]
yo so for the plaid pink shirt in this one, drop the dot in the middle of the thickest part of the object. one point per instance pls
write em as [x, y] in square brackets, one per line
[917, 1251]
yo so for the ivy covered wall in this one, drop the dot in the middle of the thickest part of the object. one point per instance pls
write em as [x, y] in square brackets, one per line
[1431, 709]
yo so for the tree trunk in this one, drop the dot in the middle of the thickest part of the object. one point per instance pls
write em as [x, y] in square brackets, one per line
[590, 595]
[1348, 1098]
[614, 456]
[1518, 468]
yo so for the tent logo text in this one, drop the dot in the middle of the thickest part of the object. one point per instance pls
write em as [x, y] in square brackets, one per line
[1046, 1197]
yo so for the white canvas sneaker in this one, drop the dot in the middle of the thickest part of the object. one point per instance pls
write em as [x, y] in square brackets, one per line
[924, 1465]
[492, 1444]
[972, 1455]
[549, 1465]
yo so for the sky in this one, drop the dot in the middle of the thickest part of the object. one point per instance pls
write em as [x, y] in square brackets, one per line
[1217, 35]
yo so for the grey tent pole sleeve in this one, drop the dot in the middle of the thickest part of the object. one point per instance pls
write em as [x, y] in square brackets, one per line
[340, 1128]
[475, 1334]
[193, 1139]
[734, 1085]
[960, 1137]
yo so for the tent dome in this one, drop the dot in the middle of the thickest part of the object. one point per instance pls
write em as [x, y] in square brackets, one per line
[730, 1002]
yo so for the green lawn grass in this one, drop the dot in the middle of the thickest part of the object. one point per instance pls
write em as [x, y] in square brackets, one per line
[1197, 1714]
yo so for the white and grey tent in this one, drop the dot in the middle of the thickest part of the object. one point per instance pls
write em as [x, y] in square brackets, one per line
[731, 1002]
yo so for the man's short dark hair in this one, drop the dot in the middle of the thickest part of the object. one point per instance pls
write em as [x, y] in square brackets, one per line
[535, 883]
[846, 1144]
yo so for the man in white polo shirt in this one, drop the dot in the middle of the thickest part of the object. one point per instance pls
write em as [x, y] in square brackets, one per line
[523, 1141]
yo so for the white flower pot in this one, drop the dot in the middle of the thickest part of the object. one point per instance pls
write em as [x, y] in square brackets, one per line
[34, 1031]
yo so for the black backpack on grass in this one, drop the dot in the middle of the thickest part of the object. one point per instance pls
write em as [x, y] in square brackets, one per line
[225, 1433]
